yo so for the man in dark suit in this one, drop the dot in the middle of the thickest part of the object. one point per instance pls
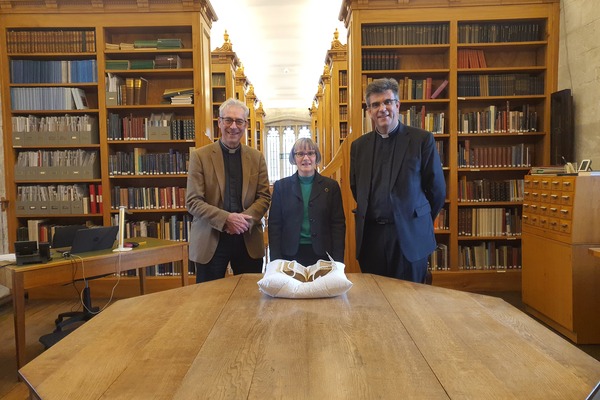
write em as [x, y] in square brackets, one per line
[397, 180]
[228, 195]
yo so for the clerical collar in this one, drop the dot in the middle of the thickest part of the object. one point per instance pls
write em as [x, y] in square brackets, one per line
[392, 132]
[227, 149]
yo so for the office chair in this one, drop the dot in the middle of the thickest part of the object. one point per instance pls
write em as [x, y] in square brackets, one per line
[72, 317]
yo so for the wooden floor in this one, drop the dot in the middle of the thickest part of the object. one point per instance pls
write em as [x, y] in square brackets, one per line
[40, 315]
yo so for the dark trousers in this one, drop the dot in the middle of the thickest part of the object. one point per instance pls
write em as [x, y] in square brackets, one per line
[381, 255]
[305, 255]
[231, 249]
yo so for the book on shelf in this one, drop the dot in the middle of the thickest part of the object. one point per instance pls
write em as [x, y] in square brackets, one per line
[117, 64]
[169, 43]
[140, 91]
[548, 170]
[142, 64]
[79, 98]
[440, 88]
[129, 91]
[167, 61]
[168, 93]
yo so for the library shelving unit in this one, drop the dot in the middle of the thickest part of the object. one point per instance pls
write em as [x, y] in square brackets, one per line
[479, 76]
[85, 113]
[224, 63]
[331, 101]
[336, 62]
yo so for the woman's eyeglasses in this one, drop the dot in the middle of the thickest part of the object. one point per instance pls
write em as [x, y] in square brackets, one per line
[302, 154]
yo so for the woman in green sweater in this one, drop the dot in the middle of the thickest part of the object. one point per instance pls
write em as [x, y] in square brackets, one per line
[306, 219]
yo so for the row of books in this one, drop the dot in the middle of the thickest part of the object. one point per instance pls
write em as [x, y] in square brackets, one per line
[56, 158]
[48, 98]
[380, 60]
[438, 260]
[172, 227]
[128, 91]
[489, 222]
[51, 192]
[139, 162]
[471, 58]
[148, 198]
[148, 44]
[51, 41]
[514, 156]
[404, 34]
[440, 147]
[53, 71]
[494, 120]
[162, 61]
[484, 190]
[489, 255]
[433, 122]
[413, 89]
[53, 123]
[343, 95]
[441, 222]
[500, 32]
[343, 76]
[156, 127]
[500, 85]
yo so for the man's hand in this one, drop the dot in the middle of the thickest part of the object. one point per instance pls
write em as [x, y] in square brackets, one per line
[237, 223]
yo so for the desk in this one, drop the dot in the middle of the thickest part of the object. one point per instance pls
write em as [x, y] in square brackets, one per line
[385, 338]
[61, 271]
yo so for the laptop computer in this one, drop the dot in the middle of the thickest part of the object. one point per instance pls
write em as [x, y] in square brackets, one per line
[63, 236]
[94, 239]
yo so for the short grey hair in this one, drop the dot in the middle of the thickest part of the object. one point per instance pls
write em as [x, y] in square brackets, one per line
[381, 85]
[231, 102]
[301, 144]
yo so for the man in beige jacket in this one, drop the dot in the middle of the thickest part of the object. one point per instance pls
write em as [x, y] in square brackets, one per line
[228, 195]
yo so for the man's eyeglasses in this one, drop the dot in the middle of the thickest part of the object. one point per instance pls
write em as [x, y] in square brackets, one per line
[302, 154]
[387, 102]
[229, 121]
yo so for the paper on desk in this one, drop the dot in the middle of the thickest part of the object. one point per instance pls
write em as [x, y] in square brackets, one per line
[8, 257]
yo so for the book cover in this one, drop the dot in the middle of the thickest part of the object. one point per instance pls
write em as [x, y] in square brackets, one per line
[79, 98]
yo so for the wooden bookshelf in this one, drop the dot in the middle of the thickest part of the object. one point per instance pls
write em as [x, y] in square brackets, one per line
[224, 63]
[167, 44]
[419, 44]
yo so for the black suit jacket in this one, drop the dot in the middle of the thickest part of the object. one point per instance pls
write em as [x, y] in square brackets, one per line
[325, 213]
[418, 188]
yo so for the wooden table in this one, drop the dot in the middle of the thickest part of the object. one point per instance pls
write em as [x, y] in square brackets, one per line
[385, 338]
[61, 271]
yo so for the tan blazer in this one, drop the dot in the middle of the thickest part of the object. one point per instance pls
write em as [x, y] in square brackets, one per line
[204, 200]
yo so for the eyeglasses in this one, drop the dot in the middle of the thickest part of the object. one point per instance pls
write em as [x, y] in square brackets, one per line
[229, 121]
[302, 154]
[387, 102]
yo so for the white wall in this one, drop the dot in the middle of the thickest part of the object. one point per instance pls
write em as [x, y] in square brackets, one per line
[579, 70]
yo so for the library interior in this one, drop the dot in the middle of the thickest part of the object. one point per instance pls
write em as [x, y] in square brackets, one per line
[103, 103]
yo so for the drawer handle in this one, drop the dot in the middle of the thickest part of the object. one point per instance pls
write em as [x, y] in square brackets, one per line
[534, 206]
[526, 193]
[544, 208]
[536, 182]
[544, 195]
[555, 183]
[564, 211]
[535, 195]
[543, 221]
[554, 196]
[553, 223]
[565, 197]
[525, 217]
[553, 209]
[564, 225]
[567, 183]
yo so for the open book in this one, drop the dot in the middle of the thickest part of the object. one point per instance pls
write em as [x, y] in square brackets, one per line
[307, 274]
